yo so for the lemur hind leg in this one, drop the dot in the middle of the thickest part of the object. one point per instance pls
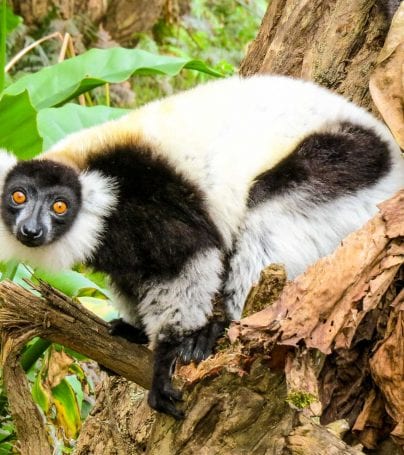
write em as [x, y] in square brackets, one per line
[300, 210]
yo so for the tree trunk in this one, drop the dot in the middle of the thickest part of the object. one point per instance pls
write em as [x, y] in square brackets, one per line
[122, 19]
[334, 43]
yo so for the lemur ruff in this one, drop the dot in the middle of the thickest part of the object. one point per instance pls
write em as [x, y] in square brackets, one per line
[193, 195]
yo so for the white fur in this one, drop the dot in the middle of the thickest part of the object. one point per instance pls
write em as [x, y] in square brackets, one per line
[182, 304]
[78, 244]
[248, 126]
[7, 161]
[221, 136]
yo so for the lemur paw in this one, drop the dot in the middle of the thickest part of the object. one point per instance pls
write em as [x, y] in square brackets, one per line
[162, 396]
[195, 347]
[199, 345]
[118, 327]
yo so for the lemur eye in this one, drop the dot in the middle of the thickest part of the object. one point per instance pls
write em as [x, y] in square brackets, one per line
[19, 197]
[60, 207]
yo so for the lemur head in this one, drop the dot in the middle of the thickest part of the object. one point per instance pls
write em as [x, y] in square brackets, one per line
[51, 215]
[40, 201]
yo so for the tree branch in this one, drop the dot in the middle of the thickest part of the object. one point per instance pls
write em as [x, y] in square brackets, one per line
[59, 319]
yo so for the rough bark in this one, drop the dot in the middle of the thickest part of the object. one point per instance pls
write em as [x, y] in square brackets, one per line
[125, 18]
[334, 43]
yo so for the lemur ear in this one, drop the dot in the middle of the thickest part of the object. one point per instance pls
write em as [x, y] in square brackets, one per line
[99, 193]
[7, 162]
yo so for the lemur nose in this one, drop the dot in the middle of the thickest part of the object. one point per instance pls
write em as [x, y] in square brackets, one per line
[31, 232]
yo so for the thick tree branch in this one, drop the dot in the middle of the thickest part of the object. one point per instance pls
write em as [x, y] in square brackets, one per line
[56, 318]
[59, 319]
[28, 419]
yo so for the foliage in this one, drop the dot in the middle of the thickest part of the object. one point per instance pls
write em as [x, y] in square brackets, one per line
[55, 85]
[215, 31]
[300, 400]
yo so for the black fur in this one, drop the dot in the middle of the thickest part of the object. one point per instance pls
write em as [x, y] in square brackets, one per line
[43, 182]
[162, 396]
[195, 347]
[328, 165]
[118, 327]
[160, 221]
[159, 224]
[199, 345]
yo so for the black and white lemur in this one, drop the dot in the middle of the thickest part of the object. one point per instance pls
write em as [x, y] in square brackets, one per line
[193, 195]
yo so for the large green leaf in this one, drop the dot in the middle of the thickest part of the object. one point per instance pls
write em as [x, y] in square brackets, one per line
[102, 308]
[71, 283]
[55, 123]
[59, 83]
[18, 127]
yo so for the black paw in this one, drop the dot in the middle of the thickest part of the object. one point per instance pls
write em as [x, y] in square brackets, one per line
[162, 396]
[118, 327]
[199, 345]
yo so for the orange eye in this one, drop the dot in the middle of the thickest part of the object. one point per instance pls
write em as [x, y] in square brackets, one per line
[19, 197]
[60, 207]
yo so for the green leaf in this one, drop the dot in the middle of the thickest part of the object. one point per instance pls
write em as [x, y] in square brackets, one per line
[33, 352]
[8, 270]
[59, 83]
[40, 394]
[70, 283]
[76, 369]
[56, 123]
[4, 434]
[12, 20]
[102, 308]
[76, 386]
[6, 448]
[3, 38]
[67, 409]
[18, 126]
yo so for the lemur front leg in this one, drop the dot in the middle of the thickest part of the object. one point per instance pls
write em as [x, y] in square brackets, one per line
[177, 317]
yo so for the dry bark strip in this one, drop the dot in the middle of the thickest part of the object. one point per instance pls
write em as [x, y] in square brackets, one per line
[339, 307]
[56, 318]
[387, 81]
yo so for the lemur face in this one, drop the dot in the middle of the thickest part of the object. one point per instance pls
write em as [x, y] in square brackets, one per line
[40, 201]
